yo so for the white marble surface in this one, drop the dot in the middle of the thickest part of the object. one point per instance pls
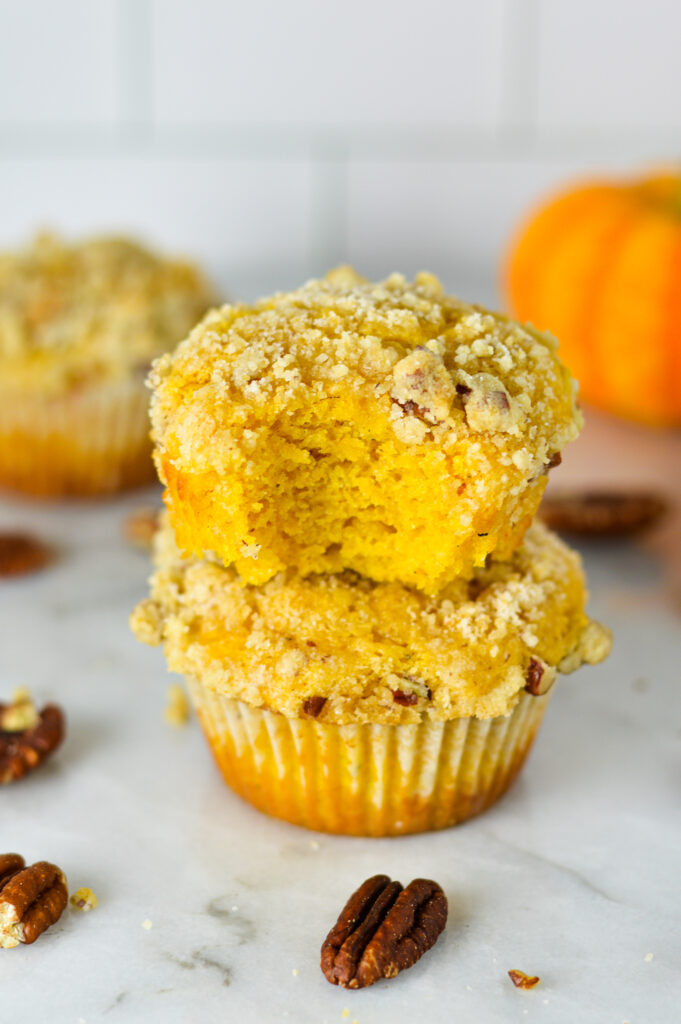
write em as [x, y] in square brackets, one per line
[573, 876]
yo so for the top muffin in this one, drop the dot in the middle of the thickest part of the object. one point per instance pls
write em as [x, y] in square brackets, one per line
[101, 309]
[385, 428]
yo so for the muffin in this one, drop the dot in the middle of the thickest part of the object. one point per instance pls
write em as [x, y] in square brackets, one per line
[369, 708]
[79, 326]
[388, 429]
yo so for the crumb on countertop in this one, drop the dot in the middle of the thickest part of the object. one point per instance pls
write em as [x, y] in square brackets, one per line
[177, 707]
[83, 899]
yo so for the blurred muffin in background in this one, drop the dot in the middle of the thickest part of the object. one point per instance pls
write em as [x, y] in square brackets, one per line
[79, 326]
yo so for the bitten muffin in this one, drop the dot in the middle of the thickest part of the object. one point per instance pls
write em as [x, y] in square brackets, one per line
[385, 428]
[79, 326]
[370, 708]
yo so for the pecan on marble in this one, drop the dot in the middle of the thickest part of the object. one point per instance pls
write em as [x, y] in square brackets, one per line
[21, 554]
[602, 513]
[31, 899]
[10, 863]
[22, 750]
[382, 930]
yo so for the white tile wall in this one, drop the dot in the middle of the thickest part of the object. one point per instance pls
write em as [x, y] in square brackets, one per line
[58, 61]
[608, 64]
[460, 215]
[272, 139]
[237, 216]
[376, 62]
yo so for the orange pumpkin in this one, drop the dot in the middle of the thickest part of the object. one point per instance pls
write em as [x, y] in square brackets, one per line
[600, 267]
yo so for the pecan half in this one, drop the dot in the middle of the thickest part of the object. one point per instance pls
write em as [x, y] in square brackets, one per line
[522, 980]
[601, 513]
[10, 863]
[383, 929]
[21, 554]
[23, 750]
[31, 899]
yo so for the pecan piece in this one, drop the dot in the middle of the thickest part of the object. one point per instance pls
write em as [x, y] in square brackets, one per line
[31, 899]
[313, 706]
[601, 513]
[21, 554]
[522, 980]
[411, 408]
[383, 929]
[141, 526]
[422, 385]
[406, 700]
[10, 863]
[23, 750]
[539, 681]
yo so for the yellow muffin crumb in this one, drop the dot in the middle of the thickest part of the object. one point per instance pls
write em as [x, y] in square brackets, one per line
[344, 649]
[177, 708]
[83, 899]
[386, 428]
[100, 309]
[21, 713]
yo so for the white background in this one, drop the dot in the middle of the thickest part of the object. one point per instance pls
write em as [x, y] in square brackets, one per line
[272, 140]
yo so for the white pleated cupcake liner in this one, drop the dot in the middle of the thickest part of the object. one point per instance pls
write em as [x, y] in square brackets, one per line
[90, 440]
[367, 779]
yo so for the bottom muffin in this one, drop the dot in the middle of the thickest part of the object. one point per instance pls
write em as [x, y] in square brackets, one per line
[372, 709]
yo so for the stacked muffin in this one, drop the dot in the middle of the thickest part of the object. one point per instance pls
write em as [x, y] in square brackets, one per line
[79, 326]
[348, 574]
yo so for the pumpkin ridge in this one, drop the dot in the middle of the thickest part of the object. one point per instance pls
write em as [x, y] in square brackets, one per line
[570, 312]
[633, 315]
[611, 242]
[673, 332]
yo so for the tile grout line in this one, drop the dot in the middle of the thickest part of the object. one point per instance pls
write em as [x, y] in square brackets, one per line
[239, 142]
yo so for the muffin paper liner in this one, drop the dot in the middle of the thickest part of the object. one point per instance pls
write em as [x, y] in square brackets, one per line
[371, 780]
[91, 440]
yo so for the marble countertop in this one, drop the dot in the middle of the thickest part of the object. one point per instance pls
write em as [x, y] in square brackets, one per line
[574, 876]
